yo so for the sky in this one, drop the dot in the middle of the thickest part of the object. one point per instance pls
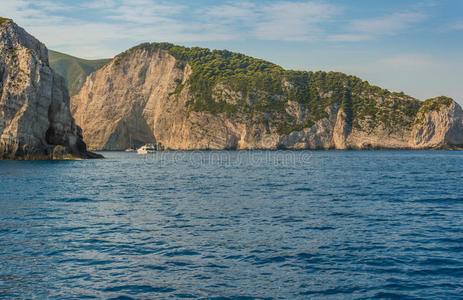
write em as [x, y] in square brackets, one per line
[402, 45]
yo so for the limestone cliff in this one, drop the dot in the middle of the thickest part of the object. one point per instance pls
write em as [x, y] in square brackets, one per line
[200, 99]
[35, 118]
[438, 124]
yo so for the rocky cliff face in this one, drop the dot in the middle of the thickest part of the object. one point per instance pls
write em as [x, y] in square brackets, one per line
[197, 99]
[438, 124]
[35, 118]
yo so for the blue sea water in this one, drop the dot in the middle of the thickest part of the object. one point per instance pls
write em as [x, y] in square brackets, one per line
[234, 225]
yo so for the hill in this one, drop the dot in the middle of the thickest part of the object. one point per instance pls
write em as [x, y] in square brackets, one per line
[197, 98]
[74, 70]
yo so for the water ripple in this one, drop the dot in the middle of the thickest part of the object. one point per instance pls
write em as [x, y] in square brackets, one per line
[360, 225]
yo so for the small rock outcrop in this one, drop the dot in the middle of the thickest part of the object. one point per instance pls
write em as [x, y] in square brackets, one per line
[196, 99]
[438, 125]
[35, 118]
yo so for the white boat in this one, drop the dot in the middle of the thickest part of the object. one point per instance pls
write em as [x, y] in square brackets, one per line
[132, 148]
[148, 148]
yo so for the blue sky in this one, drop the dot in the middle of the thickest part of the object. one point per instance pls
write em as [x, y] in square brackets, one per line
[410, 46]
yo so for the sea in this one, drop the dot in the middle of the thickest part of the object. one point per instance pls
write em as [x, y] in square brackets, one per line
[234, 225]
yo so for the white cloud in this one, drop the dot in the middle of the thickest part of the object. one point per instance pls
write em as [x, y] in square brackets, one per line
[99, 4]
[349, 37]
[426, 4]
[241, 11]
[24, 14]
[387, 25]
[284, 20]
[51, 6]
[128, 22]
[294, 20]
[144, 12]
[134, 21]
[122, 22]
[457, 26]
[408, 62]
[367, 29]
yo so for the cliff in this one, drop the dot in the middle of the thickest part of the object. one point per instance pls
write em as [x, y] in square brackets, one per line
[438, 125]
[35, 118]
[194, 98]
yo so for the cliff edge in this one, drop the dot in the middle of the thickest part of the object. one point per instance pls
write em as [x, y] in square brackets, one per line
[35, 118]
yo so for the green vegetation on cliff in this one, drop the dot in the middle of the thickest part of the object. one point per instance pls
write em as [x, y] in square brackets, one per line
[241, 73]
[430, 105]
[74, 70]
[262, 88]
[347, 106]
[3, 20]
[435, 104]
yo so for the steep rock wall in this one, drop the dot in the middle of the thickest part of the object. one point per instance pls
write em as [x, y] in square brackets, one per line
[35, 118]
